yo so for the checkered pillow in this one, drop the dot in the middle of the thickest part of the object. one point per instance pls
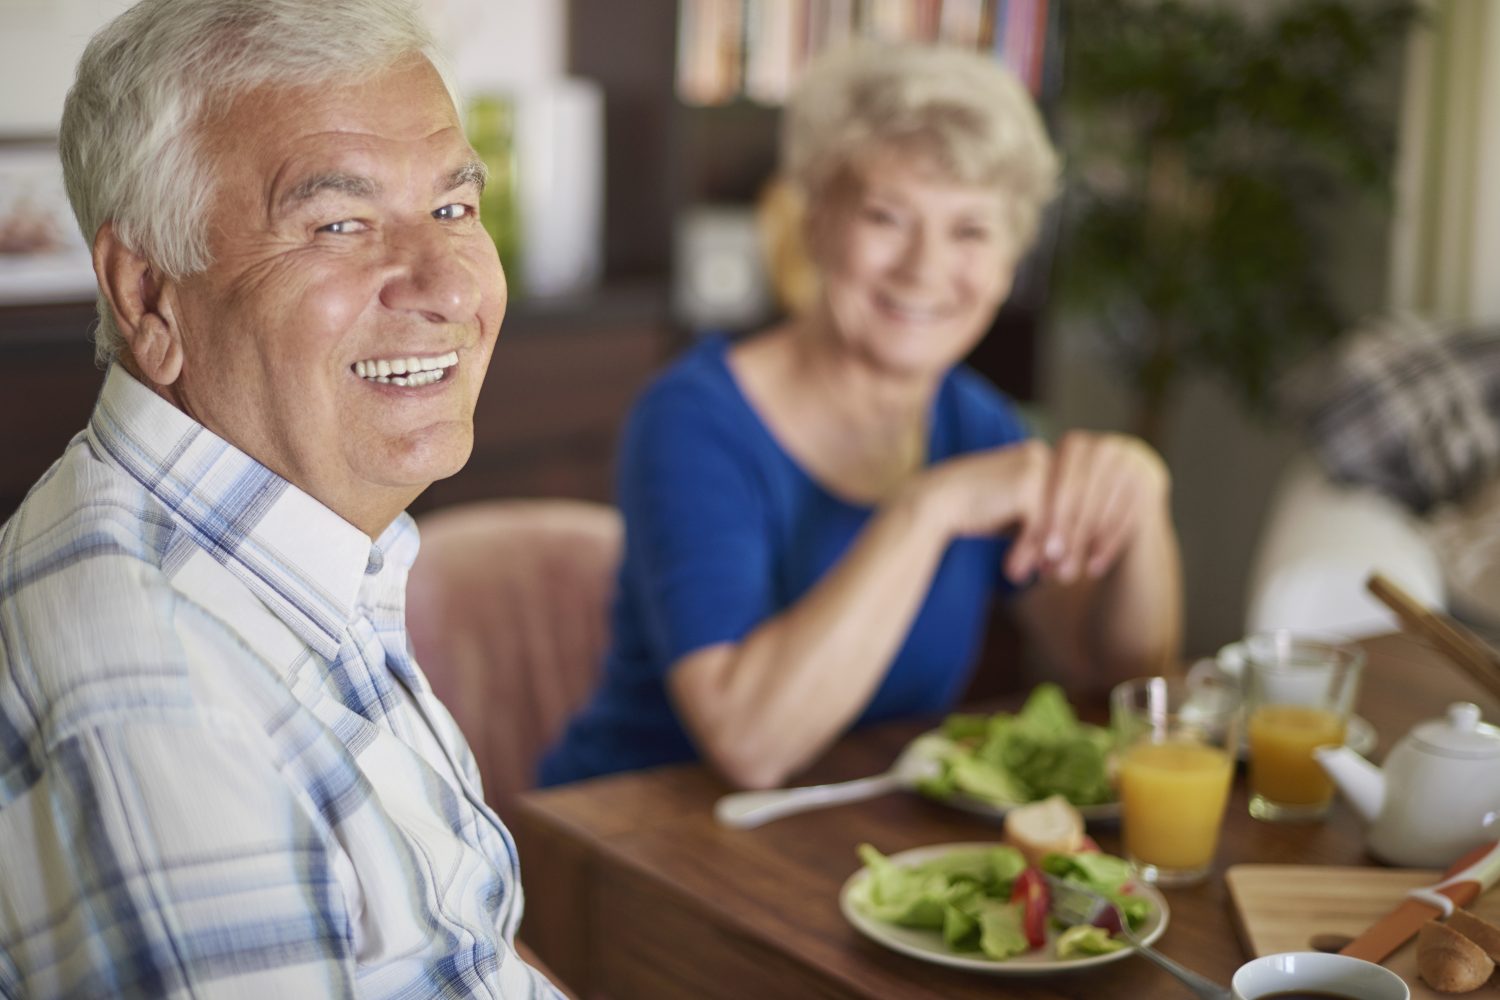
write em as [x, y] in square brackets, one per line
[1407, 406]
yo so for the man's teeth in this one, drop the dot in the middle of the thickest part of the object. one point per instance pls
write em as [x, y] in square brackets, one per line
[406, 371]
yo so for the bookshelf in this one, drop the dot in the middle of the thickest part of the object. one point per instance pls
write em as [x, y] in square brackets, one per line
[693, 91]
[755, 50]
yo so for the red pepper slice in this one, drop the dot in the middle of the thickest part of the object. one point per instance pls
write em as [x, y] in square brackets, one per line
[1030, 890]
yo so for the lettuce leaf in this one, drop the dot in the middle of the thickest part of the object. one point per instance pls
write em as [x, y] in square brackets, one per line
[1083, 940]
[1042, 750]
[1000, 933]
[921, 895]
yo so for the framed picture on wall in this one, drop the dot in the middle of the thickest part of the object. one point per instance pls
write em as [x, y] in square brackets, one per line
[43, 258]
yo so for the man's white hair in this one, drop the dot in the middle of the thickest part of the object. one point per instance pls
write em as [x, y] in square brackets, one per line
[131, 125]
[964, 110]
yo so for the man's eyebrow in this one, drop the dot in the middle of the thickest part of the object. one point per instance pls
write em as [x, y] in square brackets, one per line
[310, 187]
[472, 172]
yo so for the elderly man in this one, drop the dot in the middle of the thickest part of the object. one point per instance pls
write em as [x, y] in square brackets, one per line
[221, 774]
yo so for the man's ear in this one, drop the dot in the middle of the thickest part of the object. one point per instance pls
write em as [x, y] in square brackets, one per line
[142, 309]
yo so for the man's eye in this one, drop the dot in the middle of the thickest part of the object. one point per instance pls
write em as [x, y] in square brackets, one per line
[454, 211]
[976, 234]
[342, 227]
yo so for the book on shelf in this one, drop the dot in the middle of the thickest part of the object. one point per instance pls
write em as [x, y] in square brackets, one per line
[710, 50]
[756, 50]
[962, 22]
[887, 20]
[773, 42]
[828, 24]
[1020, 39]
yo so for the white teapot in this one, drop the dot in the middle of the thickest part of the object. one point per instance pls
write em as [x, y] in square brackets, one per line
[1438, 796]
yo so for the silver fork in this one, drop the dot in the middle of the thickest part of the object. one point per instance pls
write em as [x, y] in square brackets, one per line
[1073, 904]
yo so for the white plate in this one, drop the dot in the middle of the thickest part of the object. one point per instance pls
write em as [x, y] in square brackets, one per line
[929, 945]
[1105, 812]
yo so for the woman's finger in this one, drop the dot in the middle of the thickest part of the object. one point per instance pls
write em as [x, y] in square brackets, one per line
[1138, 477]
[1072, 493]
[1026, 550]
[1117, 517]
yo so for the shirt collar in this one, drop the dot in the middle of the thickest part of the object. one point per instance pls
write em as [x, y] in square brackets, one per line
[303, 560]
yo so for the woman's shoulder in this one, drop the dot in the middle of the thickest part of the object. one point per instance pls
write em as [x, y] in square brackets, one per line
[700, 374]
[694, 399]
[973, 388]
[975, 409]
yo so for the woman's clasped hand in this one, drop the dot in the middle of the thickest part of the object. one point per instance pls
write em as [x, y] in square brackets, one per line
[1072, 507]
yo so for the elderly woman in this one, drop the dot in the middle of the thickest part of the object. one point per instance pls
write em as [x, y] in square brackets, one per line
[817, 517]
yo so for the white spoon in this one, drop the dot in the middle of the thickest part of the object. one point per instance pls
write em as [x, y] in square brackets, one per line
[919, 760]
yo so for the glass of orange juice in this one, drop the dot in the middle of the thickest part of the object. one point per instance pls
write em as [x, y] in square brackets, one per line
[1299, 691]
[1176, 740]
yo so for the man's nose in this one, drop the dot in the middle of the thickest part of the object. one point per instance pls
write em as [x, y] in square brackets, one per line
[431, 276]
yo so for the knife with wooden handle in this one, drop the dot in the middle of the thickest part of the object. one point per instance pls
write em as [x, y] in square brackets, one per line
[1469, 876]
[1462, 647]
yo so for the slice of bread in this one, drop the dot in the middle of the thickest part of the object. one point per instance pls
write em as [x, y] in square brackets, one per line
[1449, 962]
[1478, 930]
[1051, 826]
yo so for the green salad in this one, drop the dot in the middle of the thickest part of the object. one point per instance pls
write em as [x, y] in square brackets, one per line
[987, 900]
[1008, 759]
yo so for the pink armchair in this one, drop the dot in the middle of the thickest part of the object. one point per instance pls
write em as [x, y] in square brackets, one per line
[507, 606]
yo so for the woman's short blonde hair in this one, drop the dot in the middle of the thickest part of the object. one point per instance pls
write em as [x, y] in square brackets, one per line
[963, 110]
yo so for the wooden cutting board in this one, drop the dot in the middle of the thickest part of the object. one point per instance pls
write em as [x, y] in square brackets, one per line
[1280, 907]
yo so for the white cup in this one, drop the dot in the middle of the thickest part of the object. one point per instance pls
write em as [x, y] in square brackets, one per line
[1340, 975]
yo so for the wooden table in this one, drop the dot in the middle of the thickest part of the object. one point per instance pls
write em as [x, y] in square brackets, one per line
[634, 891]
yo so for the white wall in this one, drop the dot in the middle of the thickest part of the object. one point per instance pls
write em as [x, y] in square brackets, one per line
[1448, 228]
[495, 44]
[501, 44]
[40, 42]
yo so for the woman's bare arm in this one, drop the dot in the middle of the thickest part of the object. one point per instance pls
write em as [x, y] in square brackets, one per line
[763, 708]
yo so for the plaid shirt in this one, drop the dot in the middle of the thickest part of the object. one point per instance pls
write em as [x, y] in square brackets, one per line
[221, 772]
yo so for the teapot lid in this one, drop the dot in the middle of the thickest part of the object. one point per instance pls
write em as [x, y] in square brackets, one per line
[1459, 734]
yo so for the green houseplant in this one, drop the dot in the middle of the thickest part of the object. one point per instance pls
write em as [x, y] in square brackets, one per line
[1205, 143]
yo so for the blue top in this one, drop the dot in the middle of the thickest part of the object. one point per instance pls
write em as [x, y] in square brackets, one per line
[723, 530]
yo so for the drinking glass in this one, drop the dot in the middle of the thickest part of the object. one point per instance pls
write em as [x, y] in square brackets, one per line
[1300, 690]
[1176, 740]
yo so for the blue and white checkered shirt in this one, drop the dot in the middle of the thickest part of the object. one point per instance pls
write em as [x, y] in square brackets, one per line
[221, 772]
